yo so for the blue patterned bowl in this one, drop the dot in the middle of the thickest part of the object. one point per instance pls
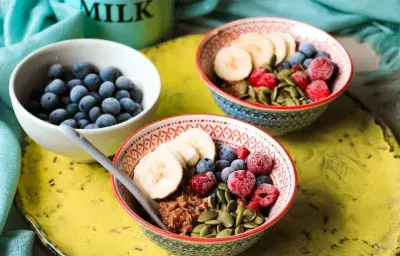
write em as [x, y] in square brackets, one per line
[277, 120]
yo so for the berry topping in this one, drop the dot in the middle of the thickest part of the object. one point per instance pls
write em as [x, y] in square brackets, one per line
[296, 58]
[259, 163]
[241, 183]
[226, 153]
[242, 152]
[317, 90]
[300, 78]
[261, 179]
[205, 165]
[238, 164]
[253, 205]
[256, 74]
[320, 68]
[203, 183]
[226, 172]
[221, 164]
[307, 48]
[267, 80]
[265, 194]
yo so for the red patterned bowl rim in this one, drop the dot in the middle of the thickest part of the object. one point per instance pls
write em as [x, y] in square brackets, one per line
[195, 239]
[221, 92]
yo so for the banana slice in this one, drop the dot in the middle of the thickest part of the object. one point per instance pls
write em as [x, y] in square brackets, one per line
[260, 48]
[232, 63]
[199, 140]
[185, 153]
[158, 174]
[279, 46]
[290, 44]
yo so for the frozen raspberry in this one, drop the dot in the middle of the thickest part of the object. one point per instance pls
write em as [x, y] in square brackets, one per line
[256, 74]
[241, 183]
[317, 90]
[253, 205]
[300, 78]
[203, 184]
[242, 152]
[265, 194]
[259, 163]
[320, 68]
[267, 80]
[296, 68]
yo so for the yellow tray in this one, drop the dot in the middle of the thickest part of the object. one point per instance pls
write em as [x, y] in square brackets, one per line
[348, 201]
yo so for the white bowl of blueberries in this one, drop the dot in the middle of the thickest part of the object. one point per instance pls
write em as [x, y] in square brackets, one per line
[105, 89]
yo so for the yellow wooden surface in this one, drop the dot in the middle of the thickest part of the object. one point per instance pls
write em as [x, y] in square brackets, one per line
[348, 201]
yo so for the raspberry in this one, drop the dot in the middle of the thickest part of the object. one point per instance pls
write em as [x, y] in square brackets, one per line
[265, 194]
[317, 90]
[296, 68]
[242, 152]
[267, 79]
[253, 205]
[241, 183]
[320, 68]
[256, 74]
[259, 163]
[300, 78]
[203, 183]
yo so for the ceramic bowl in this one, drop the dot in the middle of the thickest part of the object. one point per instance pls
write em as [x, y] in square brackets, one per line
[277, 120]
[224, 130]
[31, 73]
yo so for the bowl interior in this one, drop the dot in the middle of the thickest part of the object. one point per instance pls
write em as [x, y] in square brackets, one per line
[225, 34]
[223, 130]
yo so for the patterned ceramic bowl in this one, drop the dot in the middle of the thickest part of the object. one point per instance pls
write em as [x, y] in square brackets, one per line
[275, 119]
[224, 130]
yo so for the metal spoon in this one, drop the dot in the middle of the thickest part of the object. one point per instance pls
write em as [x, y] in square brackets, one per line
[147, 203]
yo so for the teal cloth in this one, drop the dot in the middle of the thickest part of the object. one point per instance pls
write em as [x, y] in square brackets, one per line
[30, 24]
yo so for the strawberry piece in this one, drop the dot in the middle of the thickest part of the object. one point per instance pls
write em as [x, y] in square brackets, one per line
[242, 152]
[317, 90]
[265, 194]
[203, 184]
[255, 75]
[320, 68]
[241, 183]
[253, 205]
[267, 80]
[296, 67]
[259, 163]
[300, 78]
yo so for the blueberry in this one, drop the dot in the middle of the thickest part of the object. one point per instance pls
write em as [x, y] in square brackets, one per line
[323, 54]
[70, 122]
[307, 48]
[83, 123]
[128, 105]
[57, 116]
[121, 94]
[92, 82]
[87, 103]
[218, 175]
[109, 73]
[80, 115]
[214, 194]
[107, 89]
[94, 113]
[56, 71]
[42, 116]
[123, 83]
[81, 69]
[91, 126]
[66, 100]
[105, 120]
[226, 153]
[111, 106]
[97, 96]
[221, 164]
[77, 93]
[72, 109]
[34, 107]
[136, 95]
[284, 65]
[74, 82]
[296, 58]
[49, 101]
[123, 117]
[306, 62]
[57, 87]
[138, 109]
[238, 164]
[308, 101]
[205, 165]
[226, 172]
[261, 179]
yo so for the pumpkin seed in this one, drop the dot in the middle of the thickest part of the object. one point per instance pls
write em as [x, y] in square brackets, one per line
[289, 102]
[234, 214]
[228, 196]
[209, 215]
[272, 60]
[275, 103]
[274, 93]
[242, 87]
[290, 81]
[194, 235]
[221, 196]
[213, 230]
[280, 99]
[249, 215]
[285, 94]
[239, 229]
[222, 186]
[220, 227]
[250, 225]
[239, 218]
[275, 72]
[213, 222]
[259, 220]
[252, 93]
[262, 98]
[265, 90]
[244, 96]
[301, 92]
[284, 73]
[223, 207]
[267, 67]
[282, 84]
[212, 202]
[296, 101]
[303, 102]
[301, 66]
[204, 231]
[224, 233]
[248, 229]
[292, 91]
[251, 100]
[226, 219]
[210, 236]
[231, 206]
[198, 228]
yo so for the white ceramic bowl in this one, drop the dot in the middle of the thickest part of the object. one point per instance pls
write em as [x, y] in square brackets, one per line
[31, 73]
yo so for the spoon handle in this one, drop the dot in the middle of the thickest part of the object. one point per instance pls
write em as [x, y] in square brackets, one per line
[148, 204]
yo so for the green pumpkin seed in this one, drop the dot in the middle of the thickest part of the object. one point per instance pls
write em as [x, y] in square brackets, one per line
[274, 93]
[303, 102]
[301, 66]
[267, 67]
[234, 214]
[251, 100]
[252, 93]
[220, 227]
[249, 215]
[239, 229]
[198, 228]
[292, 91]
[290, 81]
[205, 216]
[210, 236]
[228, 196]
[259, 220]
[221, 196]
[242, 87]
[296, 101]
[280, 99]
[223, 207]
[240, 210]
[301, 92]
[248, 229]
[204, 231]
[213, 230]
[224, 233]
[289, 102]
[194, 235]
[282, 84]
[244, 96]
[275, 103]
[262, 98]
[285, 94]
[275, 72]
[226, 219]
[250, 225]
[265, 90]
[231, 206]
[284, 73]
[272, 60]
[222, 186]
[212, 202]
[213, 222]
